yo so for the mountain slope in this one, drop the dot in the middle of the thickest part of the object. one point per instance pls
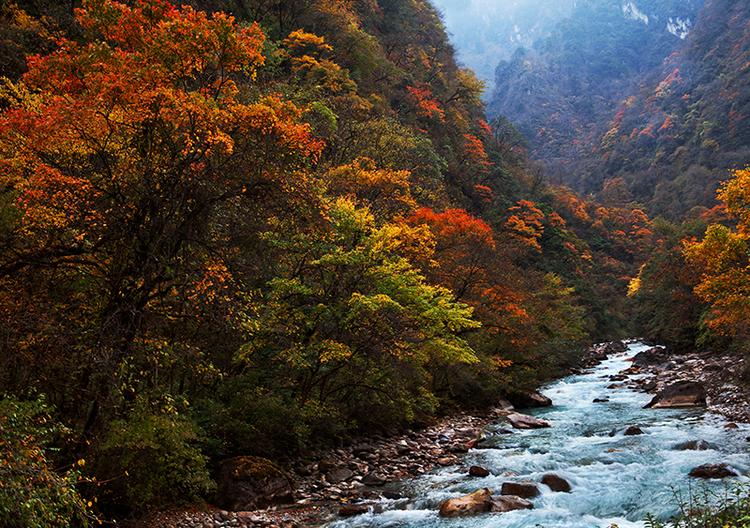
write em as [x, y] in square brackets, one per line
[609, 96]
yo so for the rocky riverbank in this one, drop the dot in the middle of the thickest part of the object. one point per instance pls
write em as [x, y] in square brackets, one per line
[349, 480]
[346, 481]
[721, 376]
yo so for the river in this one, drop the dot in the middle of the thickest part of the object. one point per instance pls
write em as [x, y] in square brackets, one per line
[615, 479]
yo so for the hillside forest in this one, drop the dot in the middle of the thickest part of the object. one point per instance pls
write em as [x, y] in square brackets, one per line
[243, 228]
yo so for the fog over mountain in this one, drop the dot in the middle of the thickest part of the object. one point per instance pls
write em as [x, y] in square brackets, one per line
[652, 98]
[487, 31]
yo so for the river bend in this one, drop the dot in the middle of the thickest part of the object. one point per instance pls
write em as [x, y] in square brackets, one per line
[615, 479]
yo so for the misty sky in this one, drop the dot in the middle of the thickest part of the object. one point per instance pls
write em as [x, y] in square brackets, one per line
[488, 31]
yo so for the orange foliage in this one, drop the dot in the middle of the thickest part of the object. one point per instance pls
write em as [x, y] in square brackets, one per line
[473, 151]
[420, 97]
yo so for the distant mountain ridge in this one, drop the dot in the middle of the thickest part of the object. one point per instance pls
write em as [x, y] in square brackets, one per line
[661, 105]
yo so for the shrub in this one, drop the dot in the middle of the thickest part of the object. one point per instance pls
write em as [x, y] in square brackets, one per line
[725, 508]
[154, 459]
[32, 494]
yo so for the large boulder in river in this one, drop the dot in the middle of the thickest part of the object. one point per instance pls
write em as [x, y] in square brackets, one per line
[525, 490]
[477, 502]
[712, 471]
[680, 394]
[651, 357]
[248, 483]
[524, 421]
[508, 503]
[528, 400]
[556, 482]
[694, 445]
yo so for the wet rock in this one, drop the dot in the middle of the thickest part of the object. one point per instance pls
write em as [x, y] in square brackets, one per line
[713, 471]
[508, 503]
[362, 449]
[477, 502]
[479, 471]
[339, 474]
[679, 394]
[524, 421]
[694, 445]
[248, 483]
[528, 400]
[351, 510]
[651, 357]
[374, 480]
[731, 426]
[556, 483]
[633, 431]
[327, 464]
[392, 495]
[524, 490]
[601, 400]
[615, 347]
[248, 517]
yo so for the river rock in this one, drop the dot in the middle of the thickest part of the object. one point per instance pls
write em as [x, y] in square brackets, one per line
[248, 483]
[712, 471]
[374, 480]
[524, 490]
[339, 474]
[479, 471]
[680, 394]
[479, 501]
[529, 400]
[651, 357]
[524, 421]
[694, 445]
[633, 431]
[351, 510]
[556, 483]
[508, 503]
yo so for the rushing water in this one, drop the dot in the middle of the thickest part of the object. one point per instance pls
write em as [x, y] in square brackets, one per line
[615, 479]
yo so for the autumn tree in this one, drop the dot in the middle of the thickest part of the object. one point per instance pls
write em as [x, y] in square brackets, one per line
[350, 323]
[723, 254]
[128, 162]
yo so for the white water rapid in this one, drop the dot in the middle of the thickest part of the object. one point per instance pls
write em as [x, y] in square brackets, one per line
[615, 479]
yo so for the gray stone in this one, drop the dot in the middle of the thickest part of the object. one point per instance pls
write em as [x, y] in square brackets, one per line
[526, 400]
[479, 501]
[508, 503]
[339, 474]
[353, 509]
[713, 471]
[556, 483]
[373, 479]
[679, 394]
[479, 471]
[523, 421]
[695, 445]
[633, 431]
[524, 490]
[248, 483]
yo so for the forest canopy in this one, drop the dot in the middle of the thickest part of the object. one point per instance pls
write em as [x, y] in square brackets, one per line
[243, 234]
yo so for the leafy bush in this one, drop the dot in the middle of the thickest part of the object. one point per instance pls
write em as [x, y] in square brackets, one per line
[155, 459]
[707, 508]
[32, 494]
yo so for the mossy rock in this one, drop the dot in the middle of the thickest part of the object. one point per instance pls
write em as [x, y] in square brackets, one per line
[247, 483]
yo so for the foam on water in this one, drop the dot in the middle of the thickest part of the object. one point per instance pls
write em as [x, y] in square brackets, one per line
[615, 479]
